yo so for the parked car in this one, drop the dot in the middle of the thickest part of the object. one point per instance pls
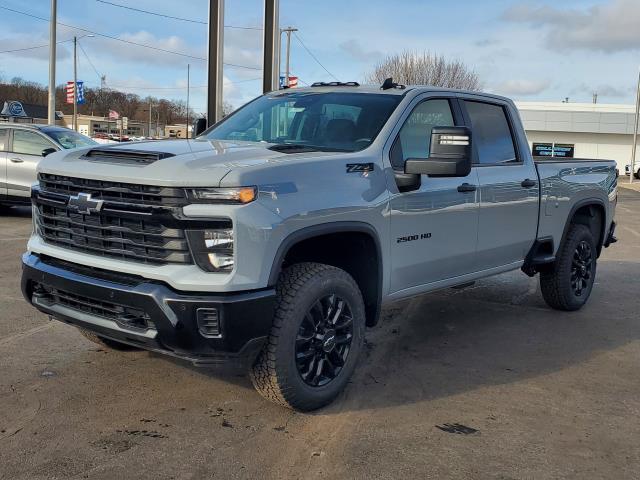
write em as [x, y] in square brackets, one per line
[627, 169]
[275, 253]
[22, 147]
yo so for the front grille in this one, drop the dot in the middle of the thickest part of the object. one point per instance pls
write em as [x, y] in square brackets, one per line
[127, 317]
[113, 191]
[133, 231]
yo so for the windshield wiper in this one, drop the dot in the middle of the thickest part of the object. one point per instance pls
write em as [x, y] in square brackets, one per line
[302, 148]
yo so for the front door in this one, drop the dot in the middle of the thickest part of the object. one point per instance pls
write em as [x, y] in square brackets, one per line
[509, 190]
[22, 160]
[433, 228]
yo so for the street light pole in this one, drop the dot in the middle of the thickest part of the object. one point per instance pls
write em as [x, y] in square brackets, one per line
[51, 115]
[75, 83]
[188, 85]
[288, 31]
[635, 134]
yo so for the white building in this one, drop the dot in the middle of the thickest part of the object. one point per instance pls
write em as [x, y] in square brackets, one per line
[580, 130]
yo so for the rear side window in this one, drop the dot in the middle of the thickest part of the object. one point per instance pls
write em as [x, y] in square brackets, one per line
[29, 143]
[4, 139]
[491, 133]
[414, 139]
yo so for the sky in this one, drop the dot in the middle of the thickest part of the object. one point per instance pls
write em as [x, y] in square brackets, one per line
[533, 51]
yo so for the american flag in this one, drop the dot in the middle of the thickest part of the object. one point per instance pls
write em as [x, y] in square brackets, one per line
[70, 92]
[113, 115]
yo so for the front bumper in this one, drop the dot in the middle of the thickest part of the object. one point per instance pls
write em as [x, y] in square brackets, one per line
[149, 314]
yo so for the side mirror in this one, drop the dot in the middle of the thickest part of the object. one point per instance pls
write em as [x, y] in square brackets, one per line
[199, 126]
[48, 151]
[449, 154]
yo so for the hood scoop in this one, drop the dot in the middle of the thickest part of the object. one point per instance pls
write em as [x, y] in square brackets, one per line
[124, 156]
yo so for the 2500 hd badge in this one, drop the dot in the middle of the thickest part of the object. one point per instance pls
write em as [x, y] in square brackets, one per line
[411, 238]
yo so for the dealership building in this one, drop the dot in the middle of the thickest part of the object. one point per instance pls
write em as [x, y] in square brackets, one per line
[580, 130]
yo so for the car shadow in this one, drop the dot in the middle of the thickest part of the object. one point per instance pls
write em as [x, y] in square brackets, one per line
[22, 211]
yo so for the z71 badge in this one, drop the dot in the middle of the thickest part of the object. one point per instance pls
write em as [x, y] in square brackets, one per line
[359, 167]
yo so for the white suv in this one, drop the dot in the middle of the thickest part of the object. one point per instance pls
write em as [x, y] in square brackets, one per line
[22, 146]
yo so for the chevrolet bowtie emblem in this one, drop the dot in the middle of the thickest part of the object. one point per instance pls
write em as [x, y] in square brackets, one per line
[83, 203]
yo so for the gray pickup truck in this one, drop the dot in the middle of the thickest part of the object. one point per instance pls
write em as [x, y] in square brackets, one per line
[274, 238]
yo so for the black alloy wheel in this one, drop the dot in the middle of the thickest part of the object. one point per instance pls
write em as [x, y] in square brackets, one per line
[324, 340]
[581, 268]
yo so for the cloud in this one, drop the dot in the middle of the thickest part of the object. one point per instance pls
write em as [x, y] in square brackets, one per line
[522, 87]
[611, 27]
[487, 42]
[604, 90]
[358, 52]
[20, 41]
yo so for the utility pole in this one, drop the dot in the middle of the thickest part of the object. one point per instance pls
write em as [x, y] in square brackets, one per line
[635, 134]
[288, 31]
[215, 61]
[75, 83]
[51, 116]
[149, 131]
[271, 46]
[595, 97]
[188, 85]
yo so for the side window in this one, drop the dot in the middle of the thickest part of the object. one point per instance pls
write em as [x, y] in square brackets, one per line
[4, 139]
[414, 139]
[491, 133]
[29, 143]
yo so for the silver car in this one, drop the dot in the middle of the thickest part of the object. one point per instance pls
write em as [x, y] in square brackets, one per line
[22, 146]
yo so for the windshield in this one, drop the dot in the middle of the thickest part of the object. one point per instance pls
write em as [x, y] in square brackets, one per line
[70, 139]
[333, 121]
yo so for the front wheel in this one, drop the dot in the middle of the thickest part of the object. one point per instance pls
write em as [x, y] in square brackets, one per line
[315, 340]
[568, 283]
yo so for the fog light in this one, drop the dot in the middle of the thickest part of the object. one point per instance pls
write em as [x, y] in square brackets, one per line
[221, 261]
[208, 322]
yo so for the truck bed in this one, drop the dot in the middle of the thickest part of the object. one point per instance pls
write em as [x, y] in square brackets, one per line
[566, 184]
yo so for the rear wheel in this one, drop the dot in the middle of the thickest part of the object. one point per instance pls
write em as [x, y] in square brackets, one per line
[568, 283]
[106, 342]
[637, 174]
[316, 338]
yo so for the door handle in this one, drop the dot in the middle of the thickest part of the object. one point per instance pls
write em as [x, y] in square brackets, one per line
[467, 187]
[16, 160]
[528, 183]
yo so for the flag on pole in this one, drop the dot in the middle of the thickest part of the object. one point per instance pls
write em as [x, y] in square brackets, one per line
[113, 115]
[70, 90]
[80, 87]
[293, 82]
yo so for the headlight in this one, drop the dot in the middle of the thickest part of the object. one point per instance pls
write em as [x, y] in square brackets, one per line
[212, 249]
[240, 195]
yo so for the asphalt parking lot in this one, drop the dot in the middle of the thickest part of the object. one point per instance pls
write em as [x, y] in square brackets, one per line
[485, 382]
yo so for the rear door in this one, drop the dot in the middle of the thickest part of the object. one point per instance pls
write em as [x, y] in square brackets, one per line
[22, 160]
[509, 190]
[4, 145]
[433, 227]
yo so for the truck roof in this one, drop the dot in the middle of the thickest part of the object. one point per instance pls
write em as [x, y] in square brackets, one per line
[376, 89]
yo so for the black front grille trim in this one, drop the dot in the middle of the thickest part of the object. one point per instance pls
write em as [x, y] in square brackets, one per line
[113, 191]
[125, 316]
[136, 222]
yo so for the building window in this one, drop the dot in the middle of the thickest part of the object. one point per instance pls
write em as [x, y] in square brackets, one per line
[555, 150]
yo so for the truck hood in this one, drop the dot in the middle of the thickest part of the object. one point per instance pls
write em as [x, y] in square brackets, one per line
[193, 163]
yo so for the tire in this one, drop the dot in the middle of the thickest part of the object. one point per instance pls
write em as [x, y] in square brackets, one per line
[308, 295]
[568, 284]
[106, 342]
[637, 174]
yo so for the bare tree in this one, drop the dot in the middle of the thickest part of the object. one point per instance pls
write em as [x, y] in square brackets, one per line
[425, 68]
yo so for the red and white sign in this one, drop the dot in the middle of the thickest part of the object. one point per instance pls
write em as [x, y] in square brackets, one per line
[113, 115]
[293, 82]
[71, 91]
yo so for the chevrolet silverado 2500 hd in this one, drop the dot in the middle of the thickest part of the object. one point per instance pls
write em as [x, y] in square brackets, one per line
[276, 236]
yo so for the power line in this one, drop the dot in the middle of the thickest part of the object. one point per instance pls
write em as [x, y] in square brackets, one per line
[89, 60]
[313, 56]
[182, 19]
[111, 37]
[32, 48]
[133, 87]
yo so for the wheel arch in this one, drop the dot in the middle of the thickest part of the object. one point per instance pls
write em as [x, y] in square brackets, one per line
[353, 246]
[592, 213]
